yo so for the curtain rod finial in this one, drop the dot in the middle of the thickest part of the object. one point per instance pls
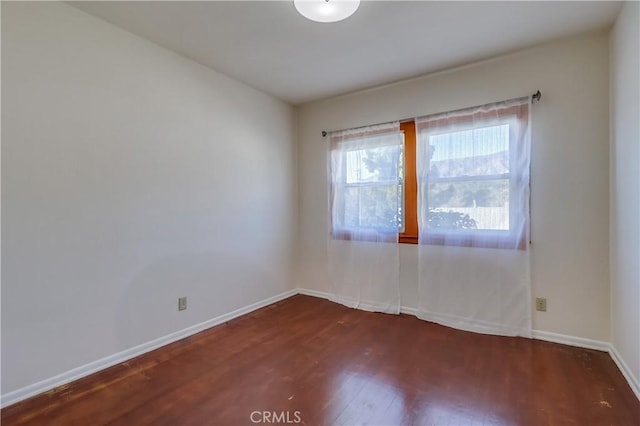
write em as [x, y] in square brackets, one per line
[324, 134]
[536, 96]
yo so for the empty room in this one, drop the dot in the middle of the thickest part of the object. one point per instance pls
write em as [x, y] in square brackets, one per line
[320, 212]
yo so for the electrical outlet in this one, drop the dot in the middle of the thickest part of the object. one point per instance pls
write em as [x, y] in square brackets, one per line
[541, 304]
[182, 303]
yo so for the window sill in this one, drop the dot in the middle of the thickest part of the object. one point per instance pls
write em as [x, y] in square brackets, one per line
[364, 236]
[453, 240]
[408, 239]
[458, 240]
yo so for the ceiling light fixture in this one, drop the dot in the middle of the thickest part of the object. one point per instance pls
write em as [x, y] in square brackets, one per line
[326, 10]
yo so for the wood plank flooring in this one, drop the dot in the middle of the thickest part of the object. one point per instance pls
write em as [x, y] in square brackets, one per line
[309, 361]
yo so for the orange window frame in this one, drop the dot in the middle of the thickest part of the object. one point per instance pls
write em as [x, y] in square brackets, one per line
[410, 210]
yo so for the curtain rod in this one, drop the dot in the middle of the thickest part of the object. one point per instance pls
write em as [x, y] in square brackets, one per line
[535, 97]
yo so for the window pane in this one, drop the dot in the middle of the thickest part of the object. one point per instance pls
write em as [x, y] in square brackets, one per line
[474, 152]
[379, 164]
[374, 207]
[469, 205]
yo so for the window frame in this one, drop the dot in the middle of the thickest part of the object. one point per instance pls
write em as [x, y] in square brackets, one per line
[346, 233]
[410, 234]
[487, 238]
[410, 205]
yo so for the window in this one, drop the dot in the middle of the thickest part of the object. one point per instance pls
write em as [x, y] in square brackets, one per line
[458, 178]
[474, 176]
[367, 183]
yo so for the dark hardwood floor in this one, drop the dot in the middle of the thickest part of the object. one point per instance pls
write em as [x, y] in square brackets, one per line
[309, 361]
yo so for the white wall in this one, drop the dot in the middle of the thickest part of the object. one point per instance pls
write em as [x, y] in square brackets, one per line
[130, 176]
[625, 188]
[570, 179]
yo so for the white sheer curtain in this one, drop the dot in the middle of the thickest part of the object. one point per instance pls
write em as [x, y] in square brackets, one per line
[365, 201]
[473, 218]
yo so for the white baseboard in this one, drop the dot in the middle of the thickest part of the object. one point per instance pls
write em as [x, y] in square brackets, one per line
[95, 366]
[548, 336]
[409, 311]
[536, 334]
[625, 370]
[564, 339]
[314, 293]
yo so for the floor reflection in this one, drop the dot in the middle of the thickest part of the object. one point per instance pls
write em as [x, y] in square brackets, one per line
[366, 399]
[361, 396]
[444, 413]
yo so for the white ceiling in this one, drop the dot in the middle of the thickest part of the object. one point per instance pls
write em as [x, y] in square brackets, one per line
[268, 45]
